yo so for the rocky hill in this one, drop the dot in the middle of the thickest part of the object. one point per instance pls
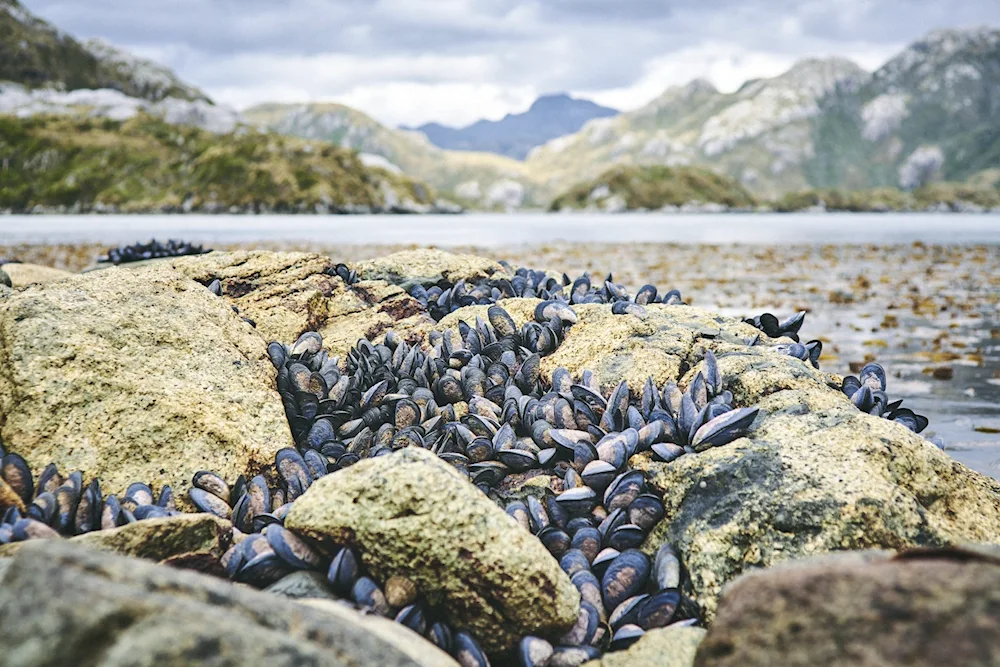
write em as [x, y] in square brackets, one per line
[145, 164]
[928, 114]
[478, 179]
[36, 54]
[549, 117]
[656, 188]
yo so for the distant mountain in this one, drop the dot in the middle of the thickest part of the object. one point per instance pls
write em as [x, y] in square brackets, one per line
[759, 135]
[928, 114]
[35, 54]
[479, 179]
[549, 117]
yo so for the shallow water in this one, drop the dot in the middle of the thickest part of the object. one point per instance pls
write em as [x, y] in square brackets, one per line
[925, 299]
[500, 229]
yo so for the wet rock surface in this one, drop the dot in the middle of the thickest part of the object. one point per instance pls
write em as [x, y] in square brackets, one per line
[117, 611]
[411, 514]
[129, 376]
[935, 609]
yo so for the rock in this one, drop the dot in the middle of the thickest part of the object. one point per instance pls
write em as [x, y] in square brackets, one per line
[302, 584]
[815, 475]
[132, 376]
[63, 604]
[189, 541]
[935, 610]
[289, 293]
[22, 275]
[411, 514]
[5, 280]
[427, 266]
[663, 647]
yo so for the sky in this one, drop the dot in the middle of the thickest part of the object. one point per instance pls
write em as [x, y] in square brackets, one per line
[407, 62]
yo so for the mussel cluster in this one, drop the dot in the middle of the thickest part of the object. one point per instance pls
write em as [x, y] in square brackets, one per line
[445, 297]
[152, 250]
[789, 328]
[867, 392]
[512, 420]
[57, 505]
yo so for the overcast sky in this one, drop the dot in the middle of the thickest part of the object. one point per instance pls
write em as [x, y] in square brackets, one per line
[455, 61]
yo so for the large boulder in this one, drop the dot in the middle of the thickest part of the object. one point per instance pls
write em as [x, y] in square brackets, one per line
[289, 293]
[859, 610]
[63, 604]
[132, 376]
[190, 541]
[815, 475]
[22, 275]
[411, 514]
[428, 266]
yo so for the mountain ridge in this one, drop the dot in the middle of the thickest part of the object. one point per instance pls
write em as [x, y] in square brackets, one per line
[514, 136]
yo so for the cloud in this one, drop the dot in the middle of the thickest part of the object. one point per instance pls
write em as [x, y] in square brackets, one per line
[454, 61]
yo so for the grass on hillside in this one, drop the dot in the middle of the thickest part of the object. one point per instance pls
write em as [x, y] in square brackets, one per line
[145, 164]
[657, 186]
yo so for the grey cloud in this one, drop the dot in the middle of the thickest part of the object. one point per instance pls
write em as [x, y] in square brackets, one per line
[551, 45]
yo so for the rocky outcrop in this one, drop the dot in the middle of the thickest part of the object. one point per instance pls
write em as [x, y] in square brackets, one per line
[665, 647]
[815, 475]
[288, 293]
[22, 275]
[189, 541]
[132, 376]
[427, 266]
[62, 604]
[935, 609]
[411, 514]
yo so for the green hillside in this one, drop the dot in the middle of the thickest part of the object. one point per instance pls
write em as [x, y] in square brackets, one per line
[147, 165]
[651, 188]
[35, 54]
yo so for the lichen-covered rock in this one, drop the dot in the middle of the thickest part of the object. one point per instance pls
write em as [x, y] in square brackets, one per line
[413, 515]
[63, 604]
[289, 293]
[935, 610]
[815, 475]
[428, 266]
[663, 647]
[189, 541]
[22, 275]
[132, 376]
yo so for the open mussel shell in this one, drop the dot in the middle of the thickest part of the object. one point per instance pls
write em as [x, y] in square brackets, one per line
[625, 636]
[628, 611]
